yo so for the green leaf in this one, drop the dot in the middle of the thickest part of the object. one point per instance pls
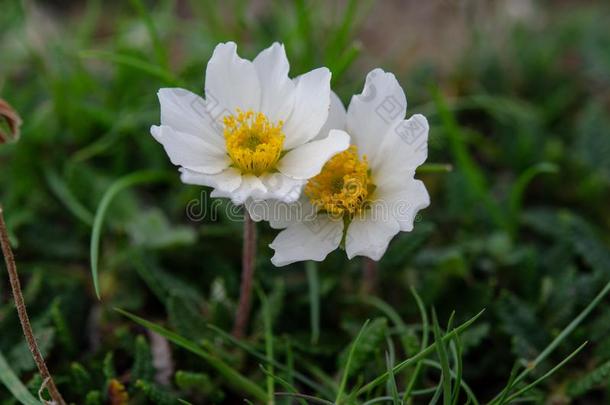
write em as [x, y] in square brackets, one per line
[79, 378]
[93, 398]
[14, 385]
[156, 394]
[20, 357]
[594, 378]
[142, 368]
[559, 338]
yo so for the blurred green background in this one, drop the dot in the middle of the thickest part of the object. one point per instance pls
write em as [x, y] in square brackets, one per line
[517, 93]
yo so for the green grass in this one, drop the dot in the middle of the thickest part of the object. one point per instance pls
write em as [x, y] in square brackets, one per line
[518, 173]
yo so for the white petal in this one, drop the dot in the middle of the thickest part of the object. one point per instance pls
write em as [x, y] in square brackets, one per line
[311, 104]
[185, 111]
[404, 148]
[402, 199]
[311, 240]
[274, 186]
[336, 116]
[277, 89]
[281, 187]
[230, 83]
[190, 151]
[226, 181]
[307, 160]
[250, 187]
[279, 214]
[372, 113]
[369, 235]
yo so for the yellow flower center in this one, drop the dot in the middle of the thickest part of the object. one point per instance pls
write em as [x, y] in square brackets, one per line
[253, 143]
[343, 187]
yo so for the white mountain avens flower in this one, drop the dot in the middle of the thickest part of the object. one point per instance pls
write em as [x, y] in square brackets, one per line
[364, 195]
[252, 135]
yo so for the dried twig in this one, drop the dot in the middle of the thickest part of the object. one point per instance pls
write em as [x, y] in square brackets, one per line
[23, 315]
[12, 120]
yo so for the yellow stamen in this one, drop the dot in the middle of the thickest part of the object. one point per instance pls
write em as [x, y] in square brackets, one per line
[344, 185]
[253, 143]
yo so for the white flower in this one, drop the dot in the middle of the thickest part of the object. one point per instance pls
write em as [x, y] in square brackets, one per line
[365, 195]
[252, 136]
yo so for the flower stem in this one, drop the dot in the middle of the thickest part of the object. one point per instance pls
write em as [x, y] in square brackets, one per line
[247, 277]
[370, 268]
[23, 315]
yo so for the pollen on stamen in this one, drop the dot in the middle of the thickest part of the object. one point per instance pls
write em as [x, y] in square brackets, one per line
[254, 144]
[343, 186]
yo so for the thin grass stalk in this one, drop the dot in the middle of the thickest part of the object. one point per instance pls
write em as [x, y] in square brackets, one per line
[23, 314]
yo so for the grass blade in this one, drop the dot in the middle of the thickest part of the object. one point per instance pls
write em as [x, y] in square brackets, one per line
[546, 375]
[559, 338]
[133, 62]
[287, 385]
[160, 51]
[435, 168]
[441, 350]
[422, 354]
[424, 342]
[311, 399]
[349, 362]
[518, 189]
[464, 161]
[471, 397]
[130, 180]
[14, 385]
[459, 369]
[268, 326]
[302, 378]
[509, 384]
[392, 381]
[63, 193]
[233, 377]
